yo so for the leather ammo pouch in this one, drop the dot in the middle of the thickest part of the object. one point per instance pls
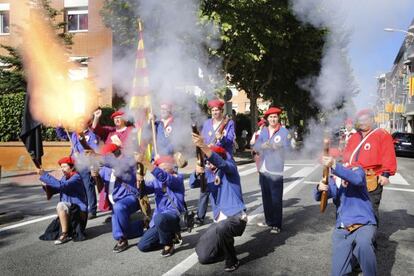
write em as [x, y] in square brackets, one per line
[372, 180]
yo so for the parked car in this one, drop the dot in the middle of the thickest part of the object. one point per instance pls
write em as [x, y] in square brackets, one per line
[403, 143]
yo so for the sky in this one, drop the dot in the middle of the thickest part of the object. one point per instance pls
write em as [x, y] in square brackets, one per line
[372, 50]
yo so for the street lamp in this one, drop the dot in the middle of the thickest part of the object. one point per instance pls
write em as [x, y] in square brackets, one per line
[409, 32]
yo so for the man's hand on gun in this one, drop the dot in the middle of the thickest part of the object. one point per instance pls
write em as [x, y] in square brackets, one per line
[322, 186]
[329, 161]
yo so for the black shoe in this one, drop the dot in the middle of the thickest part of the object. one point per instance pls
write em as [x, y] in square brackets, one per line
[167, 251]
[120, 246]
[108, 220]
[233, 267]
[198, 222]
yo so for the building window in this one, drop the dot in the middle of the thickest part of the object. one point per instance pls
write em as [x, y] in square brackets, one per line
[4, 22]
[4, 18]
[77, 20]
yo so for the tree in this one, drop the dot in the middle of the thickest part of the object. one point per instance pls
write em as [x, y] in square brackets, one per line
[266, 50]
[12, 78]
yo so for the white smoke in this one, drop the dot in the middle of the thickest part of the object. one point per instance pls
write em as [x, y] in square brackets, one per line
[176, 54]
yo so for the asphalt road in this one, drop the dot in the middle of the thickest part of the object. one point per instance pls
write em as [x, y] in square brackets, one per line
[302, 248]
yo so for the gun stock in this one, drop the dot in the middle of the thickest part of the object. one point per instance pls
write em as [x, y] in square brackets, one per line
[325, 176]
[200, 162]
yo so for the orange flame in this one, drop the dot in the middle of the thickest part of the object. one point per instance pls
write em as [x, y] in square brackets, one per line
[56, 99]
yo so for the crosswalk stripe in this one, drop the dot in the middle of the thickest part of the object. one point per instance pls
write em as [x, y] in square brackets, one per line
[303, 172]
[399, 189]
[398, 179]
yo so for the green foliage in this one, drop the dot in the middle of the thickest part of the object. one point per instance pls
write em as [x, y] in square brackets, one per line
[11, 111]
[106, 116]
[266, 50]
[12, 78]
[120, 16]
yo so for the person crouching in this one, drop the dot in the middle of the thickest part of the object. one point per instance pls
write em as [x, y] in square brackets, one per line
[230, 218]
[72, 208]
[168, 188]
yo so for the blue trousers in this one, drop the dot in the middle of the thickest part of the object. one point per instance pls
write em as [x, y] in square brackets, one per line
[90, 190]
[121, 226]
[358, 244]
[272, 195]
[202, 204]
[162, 233]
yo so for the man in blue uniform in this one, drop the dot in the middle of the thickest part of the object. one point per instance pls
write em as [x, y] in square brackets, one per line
[355, 227]
[217, 131]
[72, 199]
[168, 188]
[83, 137]
[228, 209]
[271, 147]
[122, 193]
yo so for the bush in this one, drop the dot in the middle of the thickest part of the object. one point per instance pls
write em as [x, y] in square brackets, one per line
[11, 111]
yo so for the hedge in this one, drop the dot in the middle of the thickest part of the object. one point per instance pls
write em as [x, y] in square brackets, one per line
[11, 112]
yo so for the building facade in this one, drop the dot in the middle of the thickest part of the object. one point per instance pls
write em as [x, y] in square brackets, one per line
[395, 104]
[92, 41]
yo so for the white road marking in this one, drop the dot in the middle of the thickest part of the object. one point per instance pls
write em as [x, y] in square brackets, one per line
[182, 267]
[190, 261]
[310, 165]
[247, 172]
[303, 172]
[399, 189]
[397, 179]
[26, 223]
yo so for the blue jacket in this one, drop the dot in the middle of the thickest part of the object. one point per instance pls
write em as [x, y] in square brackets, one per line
[125, 177]
[71, 190]
[227, 196]
[208, 134]
[194, 182]
[174, 188]
[91, 138]
[164, 144]
[352, 202]
[274, 159]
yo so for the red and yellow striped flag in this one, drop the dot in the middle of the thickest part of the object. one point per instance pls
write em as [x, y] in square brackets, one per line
[140, 102]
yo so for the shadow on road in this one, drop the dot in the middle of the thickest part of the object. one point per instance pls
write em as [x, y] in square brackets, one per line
[390, 223]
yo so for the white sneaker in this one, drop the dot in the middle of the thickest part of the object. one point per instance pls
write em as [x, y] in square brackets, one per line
[262, 224]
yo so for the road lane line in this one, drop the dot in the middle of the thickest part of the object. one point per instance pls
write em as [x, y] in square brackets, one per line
[398, 179]
[303, 172]
[399, 189]
[182, 267]
[26, 223]
[190, 261]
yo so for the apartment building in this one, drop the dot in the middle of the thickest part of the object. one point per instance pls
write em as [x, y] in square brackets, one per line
[92, 41]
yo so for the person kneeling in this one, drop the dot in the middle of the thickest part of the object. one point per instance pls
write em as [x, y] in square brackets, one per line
[72, 209]
[228, 209]
[355, 228]
[118, 176]
[168, 188]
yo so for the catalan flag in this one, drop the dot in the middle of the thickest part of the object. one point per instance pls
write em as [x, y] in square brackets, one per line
[140, 102]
